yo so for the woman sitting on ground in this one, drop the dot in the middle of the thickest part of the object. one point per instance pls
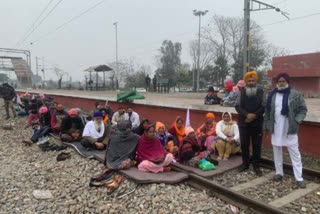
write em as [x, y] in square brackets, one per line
[122, 147]
[189, 149]
[206, 133]
[177, 130]
[45, 126]
[140, 129]
[151, 155]
[228, 137]
[165, 138]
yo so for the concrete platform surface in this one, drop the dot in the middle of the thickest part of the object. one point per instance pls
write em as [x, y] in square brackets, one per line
[177, 100]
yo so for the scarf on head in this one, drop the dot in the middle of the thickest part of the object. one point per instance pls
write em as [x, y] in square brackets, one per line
[163, 137]
[179, 132]
[285, 100]
[228, 125]
[149, 149]
[122, 145]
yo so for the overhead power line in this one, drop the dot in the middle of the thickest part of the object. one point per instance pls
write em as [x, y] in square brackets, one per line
[54, 7]
[35, 21]
[291, 19]
[67, 22]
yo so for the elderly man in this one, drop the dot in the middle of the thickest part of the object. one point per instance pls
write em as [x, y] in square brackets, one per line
[119, 116]
[133, 117]
[71, 127]
[285, 110]
[250, 107]
[96, 133]
[7, 93]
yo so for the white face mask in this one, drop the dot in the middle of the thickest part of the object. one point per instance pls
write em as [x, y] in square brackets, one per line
[282, 87]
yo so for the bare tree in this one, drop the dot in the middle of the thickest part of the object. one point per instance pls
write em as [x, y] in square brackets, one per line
[60, 74]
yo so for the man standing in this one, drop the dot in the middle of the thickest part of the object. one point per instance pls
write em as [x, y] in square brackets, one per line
[133, 117]
[96, 134]
[119, 116]
[250, 106]
[7, 93]
[148, 80]
[154, 83]
[285, 110]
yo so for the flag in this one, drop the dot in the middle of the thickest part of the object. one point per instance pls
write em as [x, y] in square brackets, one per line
[32, 96]
[188, 118]
[19, 100]
[106, 103]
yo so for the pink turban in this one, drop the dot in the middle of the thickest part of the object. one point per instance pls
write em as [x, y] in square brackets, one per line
[73, 111]
[188, 130]
[241, 84]
[43, 110]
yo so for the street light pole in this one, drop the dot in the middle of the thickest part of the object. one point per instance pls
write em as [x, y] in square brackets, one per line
[117, 63]
[199, 13]
[249, 5]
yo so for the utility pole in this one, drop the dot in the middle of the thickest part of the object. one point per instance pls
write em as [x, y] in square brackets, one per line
[199, 13]
[253, 5]
[44, 77]
[117, 63]
[37, 66]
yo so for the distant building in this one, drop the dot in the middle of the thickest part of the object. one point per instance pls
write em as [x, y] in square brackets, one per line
[304, 70]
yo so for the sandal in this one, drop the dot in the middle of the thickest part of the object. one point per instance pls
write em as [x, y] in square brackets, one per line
[105, 178]
[111, 187]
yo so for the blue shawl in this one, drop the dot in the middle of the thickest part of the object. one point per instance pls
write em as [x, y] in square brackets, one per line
[285, 100]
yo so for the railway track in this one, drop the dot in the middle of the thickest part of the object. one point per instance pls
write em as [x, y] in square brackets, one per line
[236, 195]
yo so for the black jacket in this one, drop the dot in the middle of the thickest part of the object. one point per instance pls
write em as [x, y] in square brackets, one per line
[7, 92]
[254, 105]
[66, 124]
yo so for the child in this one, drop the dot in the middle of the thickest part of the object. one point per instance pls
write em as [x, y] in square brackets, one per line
[165, 138]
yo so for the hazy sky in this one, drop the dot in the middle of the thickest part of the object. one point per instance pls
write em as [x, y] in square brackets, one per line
[142, 26]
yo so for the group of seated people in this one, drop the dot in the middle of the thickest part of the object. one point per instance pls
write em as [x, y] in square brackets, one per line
[226, 97]
[129, 141]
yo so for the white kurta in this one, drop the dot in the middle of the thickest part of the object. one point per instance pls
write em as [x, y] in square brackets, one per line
[280, 135]
[281, 138]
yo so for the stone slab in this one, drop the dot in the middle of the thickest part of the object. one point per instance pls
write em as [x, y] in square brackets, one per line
[224, 166]
[253, 183]
[140, 177]
[299, 193]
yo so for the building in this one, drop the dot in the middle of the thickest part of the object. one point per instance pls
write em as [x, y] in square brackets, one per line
[304, 70]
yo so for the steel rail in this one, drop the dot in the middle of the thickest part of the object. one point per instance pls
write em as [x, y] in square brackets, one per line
[228, 195]
[307, 173]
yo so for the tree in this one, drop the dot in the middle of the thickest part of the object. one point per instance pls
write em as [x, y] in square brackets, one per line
[60, 74]
[182, 75]
[4, 78]
[170, 59]
[221, 70]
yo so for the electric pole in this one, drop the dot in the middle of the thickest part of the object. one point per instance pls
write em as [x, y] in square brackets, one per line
[199, 13]
[117, 63]
[37, 66]
[253, 5]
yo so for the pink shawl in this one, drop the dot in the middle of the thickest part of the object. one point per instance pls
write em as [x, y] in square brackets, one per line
[149, 149]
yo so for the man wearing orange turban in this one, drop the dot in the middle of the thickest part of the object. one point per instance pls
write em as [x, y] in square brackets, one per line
[250, 107]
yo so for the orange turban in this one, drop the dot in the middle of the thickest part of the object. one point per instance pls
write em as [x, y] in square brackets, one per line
[159, 125]
[210, 115]
[250, 74]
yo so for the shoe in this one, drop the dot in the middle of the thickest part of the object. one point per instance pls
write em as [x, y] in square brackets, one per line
[43, 140]
[277, 177]
[27, 142]
[301, 184]
[211, 159]
[258, 171]
[243, 168]
[167, 169]
[102, 180]
[44, 145]
[63, 156]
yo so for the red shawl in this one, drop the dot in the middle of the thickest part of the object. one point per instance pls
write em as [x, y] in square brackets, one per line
[149, 149]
